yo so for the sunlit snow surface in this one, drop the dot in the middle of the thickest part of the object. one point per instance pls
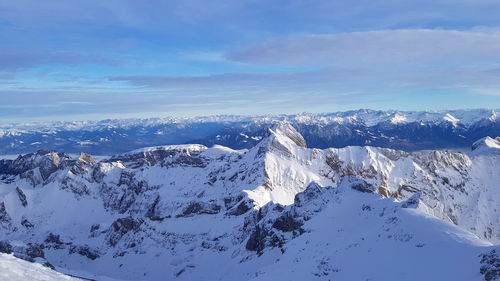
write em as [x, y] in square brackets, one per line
[174, 212]
[14, 269]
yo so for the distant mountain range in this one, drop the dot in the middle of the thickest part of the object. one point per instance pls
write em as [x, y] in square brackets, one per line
[405, 130]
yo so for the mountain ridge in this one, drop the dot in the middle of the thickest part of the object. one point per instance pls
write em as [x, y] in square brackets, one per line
[177, 212]
[411, 131]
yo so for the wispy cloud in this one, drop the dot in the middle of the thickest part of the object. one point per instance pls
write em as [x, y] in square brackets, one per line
[21, 59]
[488, 91]
[375, 47]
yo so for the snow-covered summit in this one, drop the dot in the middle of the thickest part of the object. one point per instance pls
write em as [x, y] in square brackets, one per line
[450, 118]
[486, 145]
[285, 132]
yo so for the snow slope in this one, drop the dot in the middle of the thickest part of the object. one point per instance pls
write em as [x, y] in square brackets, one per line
[277, 211]
[14, 269]
[486, 145]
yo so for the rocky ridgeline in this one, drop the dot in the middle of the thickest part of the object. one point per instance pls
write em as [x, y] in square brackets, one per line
[410, 131]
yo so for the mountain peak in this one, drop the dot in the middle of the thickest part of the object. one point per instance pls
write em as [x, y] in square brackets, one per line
[285, 132]
[450, 118]
[486, 145]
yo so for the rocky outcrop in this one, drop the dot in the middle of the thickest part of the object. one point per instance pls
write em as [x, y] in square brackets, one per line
[120, 228]
[5, 219]
[85, 251]
[490, 265]
[22, 197]
[198, 208]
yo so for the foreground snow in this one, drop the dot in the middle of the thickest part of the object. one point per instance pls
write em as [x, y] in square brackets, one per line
[14, 269]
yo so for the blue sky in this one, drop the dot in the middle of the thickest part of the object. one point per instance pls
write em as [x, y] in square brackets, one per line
[76, 60]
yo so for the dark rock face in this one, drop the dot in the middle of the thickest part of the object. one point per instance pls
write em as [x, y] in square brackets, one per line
[26, 223]
[49, 265]
[241, 209]
[310, 194]
[124, 225]
[490, 265]
[362, 186]
[274, 224]
[78, 188]
[152, 211]
[6, 167]
[37, 167]
[164, 156]
[121, 197]
[130, 181]
[263, 237]
[53, 239]
[257, 240]
[34, 251]
[412, 202]
[287, 222]
[22, 197]
[4, 216]
[85, 251]
[195, 208]
[120, 227]
[5, 247]
[28, 252]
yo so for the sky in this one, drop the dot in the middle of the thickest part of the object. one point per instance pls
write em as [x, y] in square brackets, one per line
[87, 59]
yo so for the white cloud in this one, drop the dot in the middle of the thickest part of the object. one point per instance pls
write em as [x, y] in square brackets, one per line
[487, 91]
[376, 47]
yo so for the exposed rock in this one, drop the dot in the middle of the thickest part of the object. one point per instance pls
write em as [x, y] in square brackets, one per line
[94, 230]
[200, 208]
[120, 227]
[85, 251]
[312, 192]
[362, 186]
[34, 251]
[5, 247]
[4, 216]
[287, 222]
[49, 265]
[22, 197]
[490, 265]
[413, 201]
[257, 240]
[26, 223]
[241, 209]
[53, 239]
[84, 157]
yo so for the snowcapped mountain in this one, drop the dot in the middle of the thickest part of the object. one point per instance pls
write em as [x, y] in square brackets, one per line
[404, 130]
[486, 145]
[276, 211]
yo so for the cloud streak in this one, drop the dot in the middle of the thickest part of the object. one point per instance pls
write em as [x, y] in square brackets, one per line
[21, 59]
[375, 47]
